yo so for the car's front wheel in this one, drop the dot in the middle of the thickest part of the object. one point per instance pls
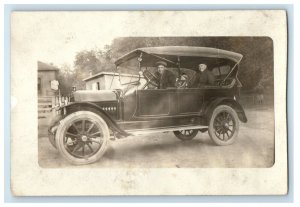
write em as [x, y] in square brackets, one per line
[82, 137]
[224, 125]
[186, 135]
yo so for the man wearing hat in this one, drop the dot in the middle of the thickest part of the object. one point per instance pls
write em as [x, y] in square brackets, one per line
[166, 78]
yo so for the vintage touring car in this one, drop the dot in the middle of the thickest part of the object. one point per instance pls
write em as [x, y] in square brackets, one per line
[83, 127]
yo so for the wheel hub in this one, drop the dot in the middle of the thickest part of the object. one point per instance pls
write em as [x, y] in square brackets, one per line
[226, 125]
[84, 138]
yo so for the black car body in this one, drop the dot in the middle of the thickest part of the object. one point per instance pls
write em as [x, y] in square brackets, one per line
[84, 126]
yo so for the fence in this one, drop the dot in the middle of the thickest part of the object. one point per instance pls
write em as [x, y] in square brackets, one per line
[46, 105]
[250, 100]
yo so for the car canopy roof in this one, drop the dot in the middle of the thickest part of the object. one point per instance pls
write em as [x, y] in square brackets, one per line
[186, 55]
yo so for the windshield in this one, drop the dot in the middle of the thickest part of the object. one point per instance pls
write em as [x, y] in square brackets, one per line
[129, 72]
[129, 77]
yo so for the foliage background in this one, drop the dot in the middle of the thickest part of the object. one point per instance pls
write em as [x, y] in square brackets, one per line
[255, 68]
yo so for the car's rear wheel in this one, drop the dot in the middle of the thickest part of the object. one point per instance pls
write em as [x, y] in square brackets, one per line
[186, 135]
[224, 125]
[82, 137]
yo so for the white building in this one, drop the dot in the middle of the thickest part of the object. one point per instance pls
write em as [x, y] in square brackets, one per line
[109, 80]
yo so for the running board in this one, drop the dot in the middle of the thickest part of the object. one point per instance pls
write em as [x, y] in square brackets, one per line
[163, 129]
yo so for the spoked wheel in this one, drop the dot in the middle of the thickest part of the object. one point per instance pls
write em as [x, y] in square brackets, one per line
[82, 137]
[186, 135]
[224, 125]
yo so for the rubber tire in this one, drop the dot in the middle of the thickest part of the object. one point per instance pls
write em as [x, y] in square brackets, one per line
[63, 126]
[184, 137]
[211, 130]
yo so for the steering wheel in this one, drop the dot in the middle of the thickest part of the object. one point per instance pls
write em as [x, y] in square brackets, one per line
[151, 78]
[182, 82]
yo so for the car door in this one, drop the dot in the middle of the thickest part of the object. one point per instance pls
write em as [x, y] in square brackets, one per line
[156, 103]
[189, 100]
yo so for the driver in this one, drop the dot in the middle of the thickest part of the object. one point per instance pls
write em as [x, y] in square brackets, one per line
[166, 78]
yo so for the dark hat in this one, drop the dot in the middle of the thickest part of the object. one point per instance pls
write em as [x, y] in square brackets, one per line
[161, 63]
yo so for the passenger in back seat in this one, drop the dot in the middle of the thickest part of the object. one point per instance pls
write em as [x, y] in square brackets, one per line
[204, 77]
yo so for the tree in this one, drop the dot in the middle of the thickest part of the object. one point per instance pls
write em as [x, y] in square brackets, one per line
[87, 61]
[66, 79]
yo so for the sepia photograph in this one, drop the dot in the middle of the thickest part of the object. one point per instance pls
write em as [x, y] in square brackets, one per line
[160, 102]
[141, 102]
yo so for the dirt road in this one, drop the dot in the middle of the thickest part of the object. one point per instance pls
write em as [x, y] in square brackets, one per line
[253, 148]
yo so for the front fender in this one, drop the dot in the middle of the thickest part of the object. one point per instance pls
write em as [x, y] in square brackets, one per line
[210, 106]
[52, 127]
[79, 106]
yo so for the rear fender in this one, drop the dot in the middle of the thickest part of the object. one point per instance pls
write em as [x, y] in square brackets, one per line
[226, 101]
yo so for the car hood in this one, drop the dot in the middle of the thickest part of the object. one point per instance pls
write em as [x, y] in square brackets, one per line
[94, 96]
